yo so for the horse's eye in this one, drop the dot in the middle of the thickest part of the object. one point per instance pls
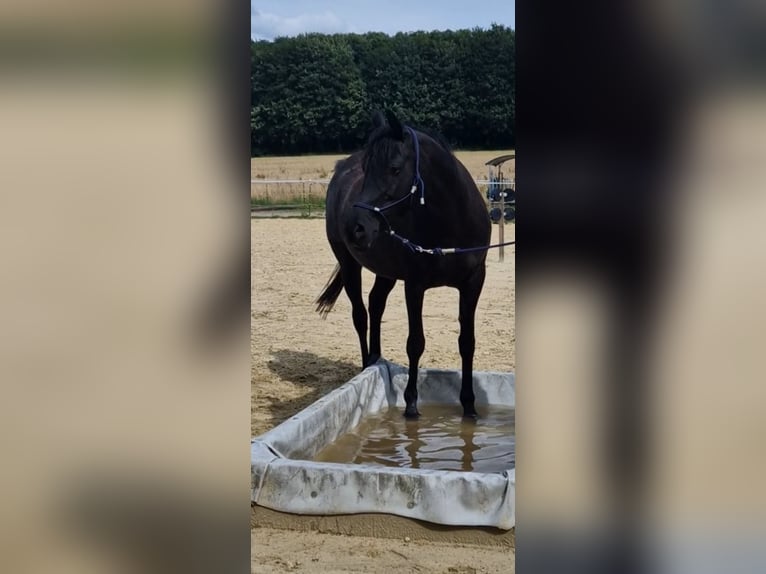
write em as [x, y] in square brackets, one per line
[395, 170]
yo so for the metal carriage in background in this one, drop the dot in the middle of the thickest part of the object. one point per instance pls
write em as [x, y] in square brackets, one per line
[501, 190]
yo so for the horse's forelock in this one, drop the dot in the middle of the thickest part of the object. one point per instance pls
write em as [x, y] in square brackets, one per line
[382, 143]
[379, 146]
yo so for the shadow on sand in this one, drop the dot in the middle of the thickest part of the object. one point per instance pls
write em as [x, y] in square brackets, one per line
[318, 375]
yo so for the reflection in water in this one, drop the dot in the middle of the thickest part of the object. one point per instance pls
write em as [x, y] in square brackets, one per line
[413, 443]
[470, 446]
[439, 440]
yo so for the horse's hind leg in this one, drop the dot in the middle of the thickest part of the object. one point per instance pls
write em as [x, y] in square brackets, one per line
[416, 343]
[377, 304]
[351, 272]
[469, 298]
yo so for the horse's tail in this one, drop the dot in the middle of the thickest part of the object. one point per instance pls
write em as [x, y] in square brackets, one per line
[326, 301]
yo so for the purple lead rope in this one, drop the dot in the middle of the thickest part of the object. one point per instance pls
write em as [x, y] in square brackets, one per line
[417, 178]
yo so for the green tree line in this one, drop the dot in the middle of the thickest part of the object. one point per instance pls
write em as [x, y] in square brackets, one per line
[315, 93]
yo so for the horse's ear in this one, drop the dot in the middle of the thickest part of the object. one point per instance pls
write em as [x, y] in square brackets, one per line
[378, 119]
[396, 127]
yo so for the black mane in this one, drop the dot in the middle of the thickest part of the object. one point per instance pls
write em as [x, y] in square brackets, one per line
[435, 135]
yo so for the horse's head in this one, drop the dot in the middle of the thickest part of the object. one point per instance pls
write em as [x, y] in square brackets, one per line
[389, 172]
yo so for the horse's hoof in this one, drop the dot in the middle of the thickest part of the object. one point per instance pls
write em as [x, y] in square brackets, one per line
[411, 413]
[372, 360]
[471, 415]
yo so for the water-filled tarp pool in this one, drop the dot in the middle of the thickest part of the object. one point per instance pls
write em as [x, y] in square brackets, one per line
[285, 478]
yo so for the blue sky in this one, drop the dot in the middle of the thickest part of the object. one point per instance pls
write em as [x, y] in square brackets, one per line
[270, 18]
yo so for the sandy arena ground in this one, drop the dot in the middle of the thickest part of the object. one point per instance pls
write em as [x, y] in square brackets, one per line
[274, 551]
[297, 357]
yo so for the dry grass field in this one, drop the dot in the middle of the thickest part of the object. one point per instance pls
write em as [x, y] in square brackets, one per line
[322, 166]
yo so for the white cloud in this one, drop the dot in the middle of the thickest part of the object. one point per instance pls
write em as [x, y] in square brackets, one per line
[264, 25]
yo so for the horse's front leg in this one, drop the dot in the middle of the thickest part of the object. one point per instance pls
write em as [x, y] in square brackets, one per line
[469, 298]
[377, 304]
[351, 272]
[416, 343]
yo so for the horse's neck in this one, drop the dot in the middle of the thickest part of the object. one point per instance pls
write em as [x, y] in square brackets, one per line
[447, 188]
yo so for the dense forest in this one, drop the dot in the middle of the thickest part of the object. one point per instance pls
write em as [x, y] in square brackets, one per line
[315, 93]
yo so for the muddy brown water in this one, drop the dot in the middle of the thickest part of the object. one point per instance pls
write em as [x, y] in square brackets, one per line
[439, 440]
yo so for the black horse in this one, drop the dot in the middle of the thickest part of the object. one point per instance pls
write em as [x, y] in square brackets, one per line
[388, 205]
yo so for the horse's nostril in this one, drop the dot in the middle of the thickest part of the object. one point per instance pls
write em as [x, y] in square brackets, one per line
[359, 231]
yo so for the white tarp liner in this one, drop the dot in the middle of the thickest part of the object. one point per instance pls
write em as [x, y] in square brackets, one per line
[285, 479]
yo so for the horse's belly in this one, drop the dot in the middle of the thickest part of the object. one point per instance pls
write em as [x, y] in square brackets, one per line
[388, 267]
[430, 271]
